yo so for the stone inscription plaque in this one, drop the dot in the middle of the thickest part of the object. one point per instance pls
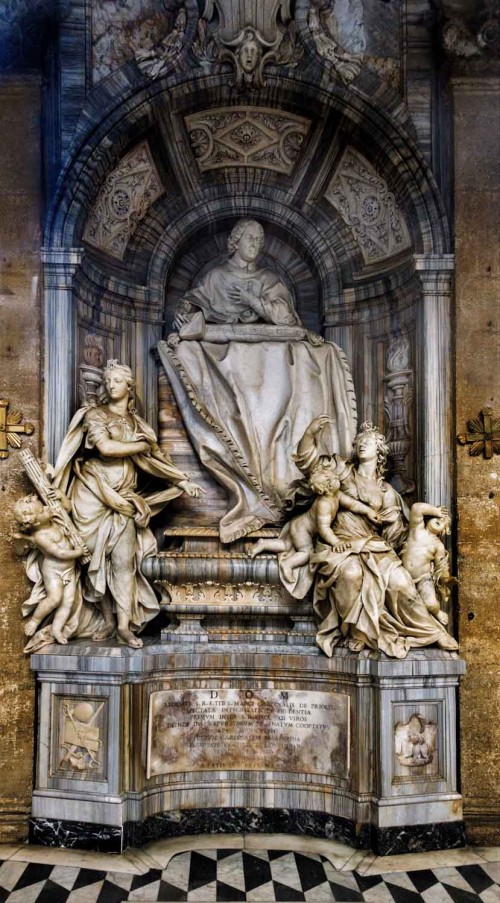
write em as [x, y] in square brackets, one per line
[261, 730]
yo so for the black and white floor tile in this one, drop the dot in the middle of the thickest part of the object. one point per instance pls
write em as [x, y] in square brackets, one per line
[228, 876]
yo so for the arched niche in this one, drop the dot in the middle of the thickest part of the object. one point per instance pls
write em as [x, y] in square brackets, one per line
[359, 303]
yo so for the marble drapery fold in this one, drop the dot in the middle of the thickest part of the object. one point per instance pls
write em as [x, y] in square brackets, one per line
[245, 407]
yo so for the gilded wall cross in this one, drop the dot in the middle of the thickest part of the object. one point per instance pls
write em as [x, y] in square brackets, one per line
[483, 435]
[10, 427]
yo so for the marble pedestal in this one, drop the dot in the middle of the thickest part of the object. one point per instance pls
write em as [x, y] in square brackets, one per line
[194, 738]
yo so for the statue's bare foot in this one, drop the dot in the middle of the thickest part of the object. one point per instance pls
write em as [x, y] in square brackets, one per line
[31, 627]
[104, 634]
[257, 549]
[355, 645]
[59, 637]
[130, 639]
[447, 642]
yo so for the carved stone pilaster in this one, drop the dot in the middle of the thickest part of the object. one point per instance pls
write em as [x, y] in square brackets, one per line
[59, 268]
[436, 275]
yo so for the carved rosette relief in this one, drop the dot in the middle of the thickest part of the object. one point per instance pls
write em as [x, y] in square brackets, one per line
[398, 397]
[126, 196]
[365, 203]
[415, 741]
[247, 136]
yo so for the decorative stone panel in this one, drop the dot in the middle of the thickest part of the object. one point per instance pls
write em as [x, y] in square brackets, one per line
[79, 738]
[364, 201]
[247, 136]
[124, 199]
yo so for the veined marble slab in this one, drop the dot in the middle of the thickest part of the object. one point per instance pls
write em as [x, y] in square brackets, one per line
[261, 729]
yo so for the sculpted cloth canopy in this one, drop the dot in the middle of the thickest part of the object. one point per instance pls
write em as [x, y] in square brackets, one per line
[246, 404]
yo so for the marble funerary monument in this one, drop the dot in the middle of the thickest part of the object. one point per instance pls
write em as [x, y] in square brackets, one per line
[241, 614]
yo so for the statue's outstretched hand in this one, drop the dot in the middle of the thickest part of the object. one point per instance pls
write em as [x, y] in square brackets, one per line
[316, 426]
[192, 489]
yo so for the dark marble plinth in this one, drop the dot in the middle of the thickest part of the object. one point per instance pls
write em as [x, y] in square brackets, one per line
[382, 841]
[49, 832]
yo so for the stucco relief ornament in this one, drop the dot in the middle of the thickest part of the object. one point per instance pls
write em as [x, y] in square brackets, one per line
[323, 32]
[415, 741]
[247, 136]
[123, 201]
[249, 36]
[165, 55]
[363, 199]
[81, 742]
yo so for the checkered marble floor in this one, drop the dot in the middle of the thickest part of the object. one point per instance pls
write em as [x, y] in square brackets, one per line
[228, 875]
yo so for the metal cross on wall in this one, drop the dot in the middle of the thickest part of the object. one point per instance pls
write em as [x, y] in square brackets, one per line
[10, 427]
[483, 435]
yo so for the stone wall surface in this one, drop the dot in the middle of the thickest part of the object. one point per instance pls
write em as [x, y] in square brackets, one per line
[20, 342]
[477, 206]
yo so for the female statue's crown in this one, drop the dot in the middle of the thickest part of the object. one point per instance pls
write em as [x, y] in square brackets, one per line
[123, 369]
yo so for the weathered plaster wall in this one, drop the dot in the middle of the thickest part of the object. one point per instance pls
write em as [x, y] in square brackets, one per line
[20, 342]
[477, 205]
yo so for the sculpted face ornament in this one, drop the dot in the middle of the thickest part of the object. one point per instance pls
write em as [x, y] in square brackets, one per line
[249, 35]
[249, 53]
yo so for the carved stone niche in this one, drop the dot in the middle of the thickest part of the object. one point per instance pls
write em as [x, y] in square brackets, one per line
[247, 136]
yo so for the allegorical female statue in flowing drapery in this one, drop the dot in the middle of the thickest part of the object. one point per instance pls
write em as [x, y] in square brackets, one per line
[363, 595]
[248, 378]
[105, 451]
